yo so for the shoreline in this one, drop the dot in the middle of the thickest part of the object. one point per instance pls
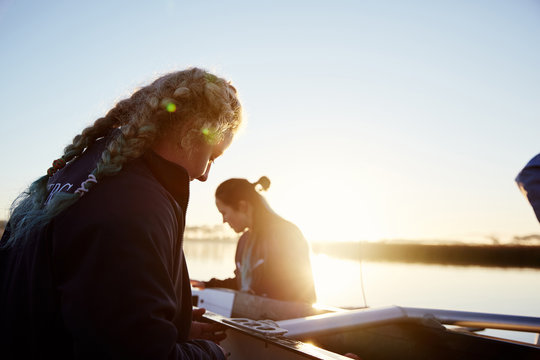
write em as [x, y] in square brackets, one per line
[514, 255]
[509, 255]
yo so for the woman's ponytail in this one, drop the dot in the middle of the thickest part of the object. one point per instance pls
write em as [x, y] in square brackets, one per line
[263, 184]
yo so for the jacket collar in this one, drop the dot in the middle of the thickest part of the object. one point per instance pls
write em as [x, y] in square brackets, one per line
[173, 177]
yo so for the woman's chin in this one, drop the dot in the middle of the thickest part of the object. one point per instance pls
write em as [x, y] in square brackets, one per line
[239, 230]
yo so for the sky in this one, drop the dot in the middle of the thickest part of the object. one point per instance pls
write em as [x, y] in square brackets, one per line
[374, 120]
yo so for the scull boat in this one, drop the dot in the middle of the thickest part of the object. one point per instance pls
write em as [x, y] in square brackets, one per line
[391, 332]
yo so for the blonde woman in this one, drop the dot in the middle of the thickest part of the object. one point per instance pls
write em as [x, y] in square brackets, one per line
[91, 262]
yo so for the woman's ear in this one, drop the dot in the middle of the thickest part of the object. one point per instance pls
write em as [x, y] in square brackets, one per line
[243, 206]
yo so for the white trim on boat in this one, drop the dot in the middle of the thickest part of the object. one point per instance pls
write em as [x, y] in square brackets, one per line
[334, 322]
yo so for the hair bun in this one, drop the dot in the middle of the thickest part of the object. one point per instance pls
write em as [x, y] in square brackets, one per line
[264, 183]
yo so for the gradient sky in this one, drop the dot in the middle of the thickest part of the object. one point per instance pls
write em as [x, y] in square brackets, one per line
[373, 119]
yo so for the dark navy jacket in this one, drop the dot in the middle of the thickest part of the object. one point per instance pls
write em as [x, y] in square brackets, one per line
[528, 181]
[106, 278]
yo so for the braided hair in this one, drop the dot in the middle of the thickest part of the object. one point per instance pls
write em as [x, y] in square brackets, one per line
[193, 103]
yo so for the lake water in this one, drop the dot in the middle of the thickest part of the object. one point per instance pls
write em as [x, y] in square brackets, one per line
[339, 282]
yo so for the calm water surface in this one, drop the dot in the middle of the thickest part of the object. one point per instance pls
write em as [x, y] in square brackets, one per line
[339, 282]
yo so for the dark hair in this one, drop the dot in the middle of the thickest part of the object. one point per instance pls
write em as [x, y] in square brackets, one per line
[232, 191]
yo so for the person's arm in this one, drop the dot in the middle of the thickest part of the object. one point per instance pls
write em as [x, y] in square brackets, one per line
[116, 282]
[229, 283]
[205, 330]
[528, 181]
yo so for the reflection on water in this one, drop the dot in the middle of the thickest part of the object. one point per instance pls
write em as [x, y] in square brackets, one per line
[207, 259]
[338, 282]
[471, 288]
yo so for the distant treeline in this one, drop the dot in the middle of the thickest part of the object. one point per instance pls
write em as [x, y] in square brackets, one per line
[481, 255]
[511, 255]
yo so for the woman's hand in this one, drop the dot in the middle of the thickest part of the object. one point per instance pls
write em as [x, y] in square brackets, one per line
[206, 331]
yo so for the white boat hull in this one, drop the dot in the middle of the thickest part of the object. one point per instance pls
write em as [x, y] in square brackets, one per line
[377, 334]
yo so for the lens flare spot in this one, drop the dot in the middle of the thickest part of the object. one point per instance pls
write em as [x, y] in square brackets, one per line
[210, 135]
[171, 107]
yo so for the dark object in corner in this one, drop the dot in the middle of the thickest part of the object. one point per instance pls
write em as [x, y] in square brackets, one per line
[528, 181]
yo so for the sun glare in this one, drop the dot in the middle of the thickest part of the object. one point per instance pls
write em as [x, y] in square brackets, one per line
[336, 280]
[349, 216]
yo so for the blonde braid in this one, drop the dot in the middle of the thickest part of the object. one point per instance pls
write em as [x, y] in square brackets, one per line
[193, 103]
[130, 144]
[205, 100]
[100, 128]
[136, 136]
